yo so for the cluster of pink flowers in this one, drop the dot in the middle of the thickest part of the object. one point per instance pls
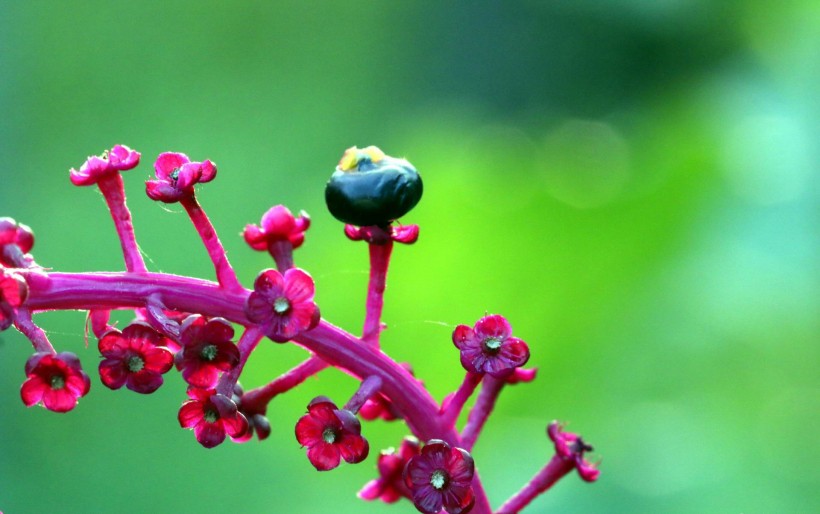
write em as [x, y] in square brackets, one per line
[190, 324]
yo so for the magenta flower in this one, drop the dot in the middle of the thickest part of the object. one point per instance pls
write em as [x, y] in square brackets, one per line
[95, 168]
[330, 434]
[571, 448]
[13, 292]
[489, 347]
[134, 358]
[206, 350]
[212, 416]
[390, 486]
[441, 477]
[14, 233]
[283, 304]
[177, 176]
[56, 380]
[278, 224]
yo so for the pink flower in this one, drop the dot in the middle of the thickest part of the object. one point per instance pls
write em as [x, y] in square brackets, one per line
[176, 177]
[330, 434]
[95, 168]
[56, 380]
[206, 350]
[283, 304]
[390, 486]
[212, 416]
[134, 358]
[13, 292]
[278, 224]
[489, 347]
[441, 477]
[571, 448]
[14, 233]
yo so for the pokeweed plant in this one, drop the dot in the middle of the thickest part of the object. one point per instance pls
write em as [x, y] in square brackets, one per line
[188, 324]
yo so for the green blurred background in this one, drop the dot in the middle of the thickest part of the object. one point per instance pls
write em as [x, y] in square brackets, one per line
[632, 183]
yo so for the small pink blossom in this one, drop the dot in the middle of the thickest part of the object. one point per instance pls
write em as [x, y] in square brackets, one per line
[330, 434]
[13, 292]
[177, 176]
[490, 348]
[441, 477]
[56, 380]
[206, 350]
[134, 358]
[278, 224]
[283, 304]
[571, 448]
[212, 416]
[95, 168]
[390, 486]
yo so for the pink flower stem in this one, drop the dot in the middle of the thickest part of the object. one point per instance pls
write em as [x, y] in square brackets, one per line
[99, 321]
[367, 389]
[225, 274]
[13, 254]
[282, 253]
[556, 468]
[451, 411]
[156, 317]
[250, 338]
[35, 334]
[256, 400]
[379, 261]
[114, 193]
[490, 389]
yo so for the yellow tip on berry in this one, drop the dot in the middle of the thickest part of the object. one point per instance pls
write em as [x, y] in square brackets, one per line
[354, 155]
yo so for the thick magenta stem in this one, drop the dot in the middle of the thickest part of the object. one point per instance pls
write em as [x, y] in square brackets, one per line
[490, 389]
[451, 411]
[246, 345]
[540, 483]
[257, 399]
[35, 334]
[113, 191]
[225, 274]
[379, 262]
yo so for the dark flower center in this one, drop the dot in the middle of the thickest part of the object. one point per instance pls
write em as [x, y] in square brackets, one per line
[209, 352]
[329, 435]
[57, 381]
[211, 415]
[174, 175]
[135, 363]
[439, 479]
[492, 345]
[281, 305]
